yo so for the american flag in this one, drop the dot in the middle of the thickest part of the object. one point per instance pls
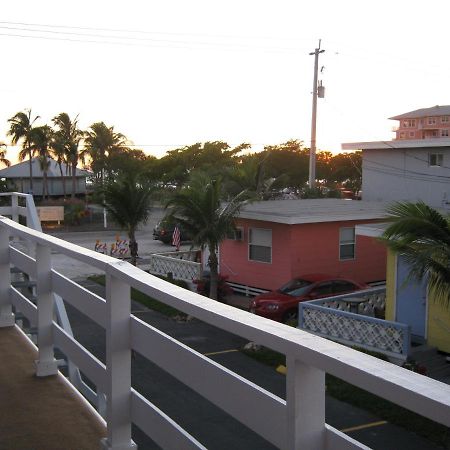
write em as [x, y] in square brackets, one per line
[176, 238]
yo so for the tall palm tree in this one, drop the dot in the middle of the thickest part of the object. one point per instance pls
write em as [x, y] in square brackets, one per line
[40, 142]
[127, 198]
[66, 144]
[101, 141]
[421, 235]
[198, 207]
[20, 130]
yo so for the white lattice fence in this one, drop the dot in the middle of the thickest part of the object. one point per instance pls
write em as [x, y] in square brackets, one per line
[181, 269]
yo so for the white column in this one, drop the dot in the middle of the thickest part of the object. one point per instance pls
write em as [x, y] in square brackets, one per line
[118, 366]
[46, 364]
[6, 314]
[15, 208]
[305, 398]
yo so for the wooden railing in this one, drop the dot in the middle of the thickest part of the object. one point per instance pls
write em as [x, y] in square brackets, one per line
[294, 423]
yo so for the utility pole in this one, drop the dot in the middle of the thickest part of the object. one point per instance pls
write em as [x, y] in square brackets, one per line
[312, 151]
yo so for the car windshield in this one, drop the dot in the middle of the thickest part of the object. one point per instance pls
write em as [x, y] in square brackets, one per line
[295, 287]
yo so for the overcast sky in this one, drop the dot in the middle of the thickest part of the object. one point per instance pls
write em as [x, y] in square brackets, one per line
[172, 73]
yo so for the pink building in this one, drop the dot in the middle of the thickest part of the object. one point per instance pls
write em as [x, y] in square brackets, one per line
[280, 239]
[425, 123]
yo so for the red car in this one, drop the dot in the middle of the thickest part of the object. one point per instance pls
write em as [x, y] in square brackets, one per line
[282, 304]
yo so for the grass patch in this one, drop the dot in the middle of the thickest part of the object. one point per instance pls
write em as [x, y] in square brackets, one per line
[394, 414]
[146, 300]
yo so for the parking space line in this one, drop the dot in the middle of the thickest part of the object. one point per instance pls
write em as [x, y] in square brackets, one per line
[364, 426]
[221, 352]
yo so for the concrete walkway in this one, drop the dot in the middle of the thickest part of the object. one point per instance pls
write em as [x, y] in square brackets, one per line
[40, 413]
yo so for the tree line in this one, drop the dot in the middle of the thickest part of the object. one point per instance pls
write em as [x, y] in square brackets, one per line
[107, 152]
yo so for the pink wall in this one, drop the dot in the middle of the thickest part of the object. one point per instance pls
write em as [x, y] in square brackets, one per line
[302, 249]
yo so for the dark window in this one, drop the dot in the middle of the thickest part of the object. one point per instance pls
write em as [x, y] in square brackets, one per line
[322, 289]
[343, 286]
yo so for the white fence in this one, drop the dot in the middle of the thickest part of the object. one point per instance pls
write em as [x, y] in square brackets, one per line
[324, 318]
[297, 422]
[181, 265]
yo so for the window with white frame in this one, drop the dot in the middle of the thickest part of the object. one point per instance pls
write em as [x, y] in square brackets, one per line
[444, 133]
[435, 159]
[347, 243]
[260, 245]
[409, 123]
[412, 134]
[431, 120]
[444, 119]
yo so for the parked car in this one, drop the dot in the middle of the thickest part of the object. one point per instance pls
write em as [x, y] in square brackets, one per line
[282, 305]
[164, 231]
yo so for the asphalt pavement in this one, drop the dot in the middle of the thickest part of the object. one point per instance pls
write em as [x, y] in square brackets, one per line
[207, 423]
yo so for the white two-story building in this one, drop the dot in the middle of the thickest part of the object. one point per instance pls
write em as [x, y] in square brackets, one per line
[408, 167]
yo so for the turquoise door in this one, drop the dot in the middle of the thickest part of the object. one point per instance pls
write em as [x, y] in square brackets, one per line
[411, 301]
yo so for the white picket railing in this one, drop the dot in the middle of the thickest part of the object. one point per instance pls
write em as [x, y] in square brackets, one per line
[297, 422]
[181, 265]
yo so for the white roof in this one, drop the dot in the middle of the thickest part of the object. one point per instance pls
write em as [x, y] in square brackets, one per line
[313, 210]
[397, 144]
[22, 170]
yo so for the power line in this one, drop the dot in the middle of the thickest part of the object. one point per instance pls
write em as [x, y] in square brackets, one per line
[131, 40]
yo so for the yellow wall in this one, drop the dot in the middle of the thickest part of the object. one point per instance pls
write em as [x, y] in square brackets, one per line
[391, 284]
[438, 325]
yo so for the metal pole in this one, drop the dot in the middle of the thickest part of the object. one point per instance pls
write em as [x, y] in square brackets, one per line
[312, 151]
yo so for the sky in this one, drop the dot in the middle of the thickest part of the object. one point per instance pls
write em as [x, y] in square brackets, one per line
[172, 73]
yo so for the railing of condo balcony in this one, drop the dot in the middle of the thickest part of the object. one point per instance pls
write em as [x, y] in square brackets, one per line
[297, 422]
[181, 265]
[324, 317]
[21, 208]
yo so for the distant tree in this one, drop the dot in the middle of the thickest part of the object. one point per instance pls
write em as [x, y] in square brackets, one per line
[40, 142]
[100, 142]
[66, 144]
[127, 198]
[421, 235]
[199, 208]
[346, 169]
[21, 126]
[248, 174]
[212, 157]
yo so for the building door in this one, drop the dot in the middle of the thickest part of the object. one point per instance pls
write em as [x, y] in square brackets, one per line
[411, 301]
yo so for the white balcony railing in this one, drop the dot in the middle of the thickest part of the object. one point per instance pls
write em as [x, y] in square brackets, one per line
[297, 422]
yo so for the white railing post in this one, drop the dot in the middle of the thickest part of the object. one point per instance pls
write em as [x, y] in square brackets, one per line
[305, 401]
[118, 366]
[46, 365]
[15, 207]
[6, 314]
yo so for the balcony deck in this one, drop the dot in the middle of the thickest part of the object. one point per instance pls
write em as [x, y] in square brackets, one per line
[40, 413]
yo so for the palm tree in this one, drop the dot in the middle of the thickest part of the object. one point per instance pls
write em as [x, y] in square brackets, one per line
[66, 145]
[421, 235]
[101, 141]
[40, 142]
[3, 158]
[127, 198]
[199, 209]
[20, 130]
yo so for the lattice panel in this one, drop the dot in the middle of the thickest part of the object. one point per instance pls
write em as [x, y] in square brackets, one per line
[357, 329]
[180, 269]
